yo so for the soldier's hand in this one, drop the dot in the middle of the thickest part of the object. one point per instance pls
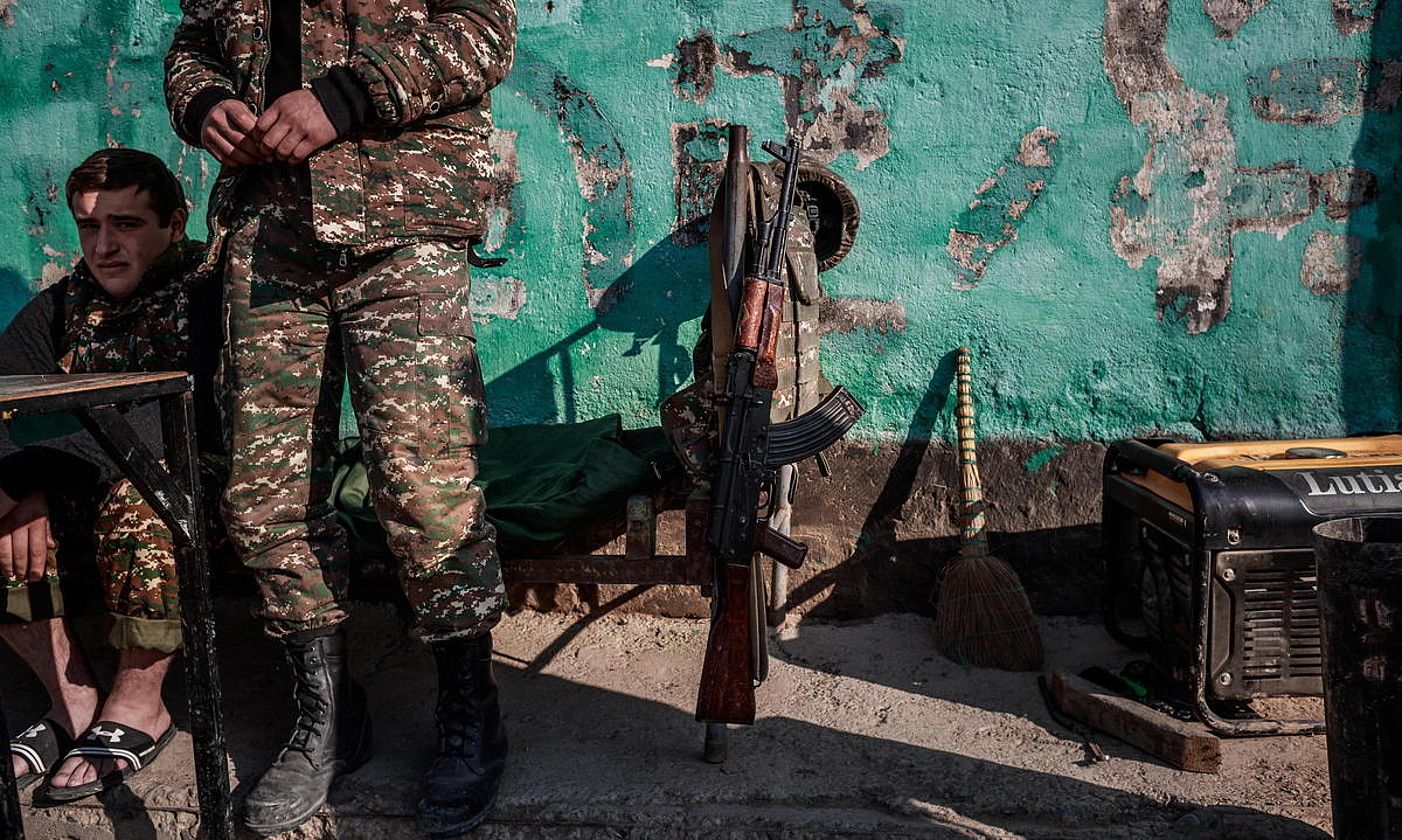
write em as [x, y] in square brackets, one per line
[25, 539]
[6, 503]
[295, 126]
[225, 134]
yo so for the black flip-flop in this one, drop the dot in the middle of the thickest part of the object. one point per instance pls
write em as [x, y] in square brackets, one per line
[40, 747]
[106, 739]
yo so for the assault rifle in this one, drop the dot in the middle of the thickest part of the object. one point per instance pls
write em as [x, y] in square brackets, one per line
[749, 451]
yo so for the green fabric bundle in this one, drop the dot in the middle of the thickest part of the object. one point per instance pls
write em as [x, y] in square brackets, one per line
[542, 482]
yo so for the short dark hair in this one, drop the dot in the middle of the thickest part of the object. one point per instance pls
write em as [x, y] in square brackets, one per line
[117, 169]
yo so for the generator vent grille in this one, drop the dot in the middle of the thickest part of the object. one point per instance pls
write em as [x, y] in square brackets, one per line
[1280, 621]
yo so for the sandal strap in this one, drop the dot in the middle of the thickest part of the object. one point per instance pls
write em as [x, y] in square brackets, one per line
[106, 739]
[42, 744]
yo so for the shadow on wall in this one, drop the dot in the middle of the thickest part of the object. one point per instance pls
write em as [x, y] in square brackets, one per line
[664, 288]
[1370, 367]
[14, 294]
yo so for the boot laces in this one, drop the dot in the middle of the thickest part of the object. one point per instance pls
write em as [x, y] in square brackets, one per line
[460, 723]
[312, 709]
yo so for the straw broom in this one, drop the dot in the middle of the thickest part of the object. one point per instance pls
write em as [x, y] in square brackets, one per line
[982, 617]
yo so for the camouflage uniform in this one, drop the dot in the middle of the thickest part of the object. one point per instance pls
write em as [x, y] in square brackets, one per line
[354, 263]
[133, 548]
[302, 315]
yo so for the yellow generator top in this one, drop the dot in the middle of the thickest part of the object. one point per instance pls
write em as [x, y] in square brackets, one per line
[1289, 454]
[1359, 464]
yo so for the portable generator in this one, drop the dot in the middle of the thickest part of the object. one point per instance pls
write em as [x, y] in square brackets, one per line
[1209, 566]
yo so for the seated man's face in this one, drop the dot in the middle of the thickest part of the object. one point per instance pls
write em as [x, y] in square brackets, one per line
[121, 236]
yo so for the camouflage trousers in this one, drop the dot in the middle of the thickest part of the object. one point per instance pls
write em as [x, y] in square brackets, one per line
[302, 318]
[135, 559]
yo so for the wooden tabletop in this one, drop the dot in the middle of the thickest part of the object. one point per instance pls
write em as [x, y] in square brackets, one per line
[54, 392]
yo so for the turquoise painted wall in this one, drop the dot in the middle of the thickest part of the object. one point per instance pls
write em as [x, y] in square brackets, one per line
[1181, 221]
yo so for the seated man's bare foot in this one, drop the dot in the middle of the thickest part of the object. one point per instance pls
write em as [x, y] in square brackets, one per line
[81, 770]
[79, 712]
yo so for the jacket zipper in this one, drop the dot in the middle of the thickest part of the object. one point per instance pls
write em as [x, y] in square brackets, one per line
[263, 57]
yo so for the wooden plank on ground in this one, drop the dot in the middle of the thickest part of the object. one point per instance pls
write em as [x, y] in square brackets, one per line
[1186, 746]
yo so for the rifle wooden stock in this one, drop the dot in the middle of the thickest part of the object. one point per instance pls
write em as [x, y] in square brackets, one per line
[727, 693]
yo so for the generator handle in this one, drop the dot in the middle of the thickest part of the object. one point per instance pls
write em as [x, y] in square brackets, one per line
[1143, 455]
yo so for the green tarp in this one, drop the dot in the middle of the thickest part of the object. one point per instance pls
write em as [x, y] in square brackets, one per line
[543, 483]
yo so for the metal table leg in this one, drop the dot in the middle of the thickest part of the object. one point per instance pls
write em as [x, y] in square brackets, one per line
[174, 493]
[197, 621]
[11, 820]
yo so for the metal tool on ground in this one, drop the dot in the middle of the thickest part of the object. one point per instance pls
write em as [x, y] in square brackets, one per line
[982, 616]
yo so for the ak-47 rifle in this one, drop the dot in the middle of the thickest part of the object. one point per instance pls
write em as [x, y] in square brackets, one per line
[749, 451]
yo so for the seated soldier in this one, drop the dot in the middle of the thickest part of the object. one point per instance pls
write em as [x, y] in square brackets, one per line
[133, 303]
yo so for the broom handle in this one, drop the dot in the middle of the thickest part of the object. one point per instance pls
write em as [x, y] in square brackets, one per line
[973, 537]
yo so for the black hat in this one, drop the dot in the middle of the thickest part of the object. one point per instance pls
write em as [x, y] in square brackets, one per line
[832, 211]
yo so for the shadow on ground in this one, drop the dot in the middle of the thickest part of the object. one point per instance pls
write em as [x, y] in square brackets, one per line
[604, 744]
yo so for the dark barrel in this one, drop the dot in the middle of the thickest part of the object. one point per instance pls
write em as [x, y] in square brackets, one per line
[1360, 605]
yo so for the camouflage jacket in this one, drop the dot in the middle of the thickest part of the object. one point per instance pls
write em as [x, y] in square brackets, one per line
[419, 167]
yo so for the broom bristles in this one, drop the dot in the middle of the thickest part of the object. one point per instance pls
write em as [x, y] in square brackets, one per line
[983, 616]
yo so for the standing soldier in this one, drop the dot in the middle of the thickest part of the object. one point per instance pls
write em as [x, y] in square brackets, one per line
[353, 138]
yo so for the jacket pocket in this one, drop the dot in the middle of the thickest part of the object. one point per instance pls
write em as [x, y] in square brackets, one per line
[445, 167]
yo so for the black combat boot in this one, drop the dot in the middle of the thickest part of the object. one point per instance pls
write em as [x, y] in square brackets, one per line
[331, 735]
[463, 780]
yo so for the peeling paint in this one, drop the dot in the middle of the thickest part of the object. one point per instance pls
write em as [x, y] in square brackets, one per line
[602, 170]
[823, 58]
[696, 67]
[1331, 262]
[1354, 17]
[1229, 16]
[497, 297]
[1322, 91]
[1272, 199]
[991, 220]
[1135, 49]
[1345, 189]
[1190, 195]
[504, 207]
[698, 161]
[847, 315]
[1190, 146]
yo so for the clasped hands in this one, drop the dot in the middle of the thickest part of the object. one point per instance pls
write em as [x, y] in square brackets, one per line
[25, 538]
[291, 129]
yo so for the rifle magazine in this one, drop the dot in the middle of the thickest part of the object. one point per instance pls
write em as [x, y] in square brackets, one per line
[811, 433]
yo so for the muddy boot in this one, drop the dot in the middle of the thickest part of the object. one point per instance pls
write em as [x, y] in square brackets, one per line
[463, 780]
[331, 735]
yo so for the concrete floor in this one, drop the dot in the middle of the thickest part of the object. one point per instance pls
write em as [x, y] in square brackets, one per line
[864, 731]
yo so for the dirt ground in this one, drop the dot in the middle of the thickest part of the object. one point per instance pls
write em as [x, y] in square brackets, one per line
[864, 731]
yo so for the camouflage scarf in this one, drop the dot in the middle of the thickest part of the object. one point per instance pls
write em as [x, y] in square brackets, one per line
[148, 330]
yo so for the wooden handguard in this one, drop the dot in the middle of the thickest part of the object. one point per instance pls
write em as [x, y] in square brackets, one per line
[761, 318]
